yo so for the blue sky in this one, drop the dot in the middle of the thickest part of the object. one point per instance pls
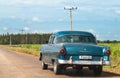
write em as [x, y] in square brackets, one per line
[101, 17]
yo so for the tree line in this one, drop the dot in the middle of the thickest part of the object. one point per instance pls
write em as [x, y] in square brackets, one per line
[24, 38]
[36, 38]
[108, 41]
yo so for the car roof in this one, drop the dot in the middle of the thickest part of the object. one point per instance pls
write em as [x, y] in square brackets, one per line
[61, 33]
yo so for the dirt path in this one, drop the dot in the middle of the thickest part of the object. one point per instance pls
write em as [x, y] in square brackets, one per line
[18, 65]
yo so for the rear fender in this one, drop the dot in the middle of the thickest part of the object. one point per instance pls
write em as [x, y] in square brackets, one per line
[106, 58]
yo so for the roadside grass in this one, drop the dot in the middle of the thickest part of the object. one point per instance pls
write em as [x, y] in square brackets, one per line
[115, 57]
[34, 49]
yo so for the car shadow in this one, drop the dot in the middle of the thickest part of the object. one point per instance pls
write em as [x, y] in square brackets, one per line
[85, 73]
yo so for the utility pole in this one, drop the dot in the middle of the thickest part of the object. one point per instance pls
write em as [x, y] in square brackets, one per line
[26, 39]
[10, 40]
[70, 9]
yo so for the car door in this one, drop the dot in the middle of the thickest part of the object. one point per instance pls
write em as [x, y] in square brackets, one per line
[50, 49]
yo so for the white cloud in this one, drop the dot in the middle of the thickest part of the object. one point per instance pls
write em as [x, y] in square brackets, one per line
[5, 28]
[35, 31]
[55, 30]
[35, 19]
[117, 11]
[13, 17]
[86, 8]
[94, 32]
[26, 28]
[32, 2]
[38, 31]
[94, 8]
[91, 30]
[16, 1]
[60, 20]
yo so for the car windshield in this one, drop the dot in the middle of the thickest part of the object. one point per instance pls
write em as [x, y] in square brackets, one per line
[76, 39]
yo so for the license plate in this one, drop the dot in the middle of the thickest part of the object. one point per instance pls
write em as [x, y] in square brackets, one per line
[85, 57]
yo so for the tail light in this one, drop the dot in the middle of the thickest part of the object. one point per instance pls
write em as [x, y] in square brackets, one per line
[108, 52]
[62, 52]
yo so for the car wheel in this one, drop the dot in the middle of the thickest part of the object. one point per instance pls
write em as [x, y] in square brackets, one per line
[56, 68]
[98, 70]
[44, 66]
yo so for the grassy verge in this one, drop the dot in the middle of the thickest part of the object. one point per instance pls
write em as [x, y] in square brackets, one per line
[32, 49]
[115, 56]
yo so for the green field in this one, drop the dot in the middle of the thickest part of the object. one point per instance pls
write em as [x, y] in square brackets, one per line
[115, 56]
[33, 49]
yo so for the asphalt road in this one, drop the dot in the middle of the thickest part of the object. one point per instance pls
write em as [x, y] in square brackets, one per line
[19, 65]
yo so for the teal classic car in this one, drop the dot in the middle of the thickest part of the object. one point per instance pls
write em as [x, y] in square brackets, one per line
[75, 49]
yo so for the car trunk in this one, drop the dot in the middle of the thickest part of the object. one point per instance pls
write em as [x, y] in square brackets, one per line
[78, 50]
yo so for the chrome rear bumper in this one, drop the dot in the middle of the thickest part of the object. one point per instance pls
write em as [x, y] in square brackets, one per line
[84, 62]
[106, 63]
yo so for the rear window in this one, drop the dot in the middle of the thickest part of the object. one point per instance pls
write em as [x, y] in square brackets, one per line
[76, 39]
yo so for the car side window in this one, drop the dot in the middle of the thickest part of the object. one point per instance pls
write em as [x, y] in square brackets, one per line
[51, 41]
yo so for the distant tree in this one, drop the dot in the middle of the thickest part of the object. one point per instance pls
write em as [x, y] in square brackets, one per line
[21, 38]
[115, 41]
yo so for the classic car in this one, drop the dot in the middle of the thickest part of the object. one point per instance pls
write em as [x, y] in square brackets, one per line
[75, 49]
